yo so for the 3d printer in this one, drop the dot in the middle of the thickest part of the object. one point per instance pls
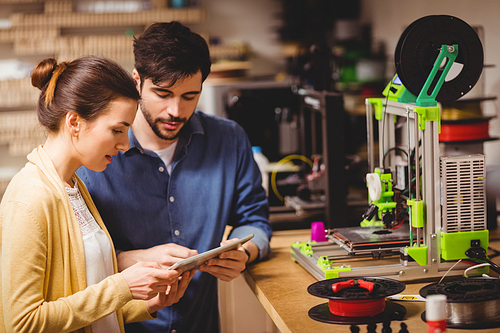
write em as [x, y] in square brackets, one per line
[426, 212]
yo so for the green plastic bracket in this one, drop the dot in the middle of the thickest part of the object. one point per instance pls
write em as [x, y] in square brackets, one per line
[394, 89]
[385, 203]
[378, 106]
[417, 212]
[419, 254]
[429, 113]
[407, 97]
[333, 273]
[385, 206]
[372, 223]
[305, 247]
[449, 54]
[323, 262]
[330, 271]
[454, 244]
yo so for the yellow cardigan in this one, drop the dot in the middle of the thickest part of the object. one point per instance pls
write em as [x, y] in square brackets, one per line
[42, 263]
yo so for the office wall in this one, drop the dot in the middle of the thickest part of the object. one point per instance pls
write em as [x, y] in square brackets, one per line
[253, 22]
[390, 17]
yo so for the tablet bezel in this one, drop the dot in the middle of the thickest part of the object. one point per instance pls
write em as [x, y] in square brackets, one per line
[199, 259]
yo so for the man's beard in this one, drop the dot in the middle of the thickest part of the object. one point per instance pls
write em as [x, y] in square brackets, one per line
[157, 127]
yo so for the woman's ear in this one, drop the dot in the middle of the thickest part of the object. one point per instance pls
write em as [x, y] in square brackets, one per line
[73, 123]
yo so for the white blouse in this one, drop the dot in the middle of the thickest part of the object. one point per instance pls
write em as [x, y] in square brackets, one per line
[98, 254]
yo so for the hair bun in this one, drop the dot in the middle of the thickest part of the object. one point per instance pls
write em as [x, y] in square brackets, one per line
[43, 72]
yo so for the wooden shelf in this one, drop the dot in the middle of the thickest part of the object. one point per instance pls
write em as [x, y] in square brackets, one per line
[21, 131]
[62, 20]
[64, 30]
[9, 2]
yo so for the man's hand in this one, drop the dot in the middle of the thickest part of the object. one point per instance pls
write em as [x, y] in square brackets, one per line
[166, 255]
[230, 264]
[173, 294]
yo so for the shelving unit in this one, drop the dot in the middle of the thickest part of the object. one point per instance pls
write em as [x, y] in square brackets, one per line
[64, 30]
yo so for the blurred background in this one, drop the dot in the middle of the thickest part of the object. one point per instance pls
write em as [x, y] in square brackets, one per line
[293, 73]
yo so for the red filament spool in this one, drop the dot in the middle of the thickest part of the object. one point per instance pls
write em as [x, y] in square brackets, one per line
[364, 308]
[356, 300]
[464, 132]
[356, 308]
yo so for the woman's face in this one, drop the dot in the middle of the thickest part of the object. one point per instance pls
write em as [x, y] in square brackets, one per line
[102, 138]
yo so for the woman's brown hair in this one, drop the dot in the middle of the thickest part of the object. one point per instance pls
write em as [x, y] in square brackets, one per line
[85, 86]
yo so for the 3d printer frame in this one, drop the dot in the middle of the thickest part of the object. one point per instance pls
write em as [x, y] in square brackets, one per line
[448, 229]
[328, 259]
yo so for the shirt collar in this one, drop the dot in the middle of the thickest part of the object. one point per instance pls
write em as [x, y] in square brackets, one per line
[193, 126]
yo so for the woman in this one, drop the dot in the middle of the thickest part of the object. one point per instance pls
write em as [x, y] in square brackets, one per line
[58, 266]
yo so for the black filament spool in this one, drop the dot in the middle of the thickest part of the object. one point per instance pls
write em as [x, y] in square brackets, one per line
[392, 311]
[383, 287]
[419, 47]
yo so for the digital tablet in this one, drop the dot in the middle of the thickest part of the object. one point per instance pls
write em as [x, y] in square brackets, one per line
[199, 259]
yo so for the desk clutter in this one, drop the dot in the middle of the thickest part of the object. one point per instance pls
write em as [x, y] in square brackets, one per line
[462, 303]
[386, 328]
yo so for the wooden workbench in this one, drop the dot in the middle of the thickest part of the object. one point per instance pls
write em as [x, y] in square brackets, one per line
[280, 285]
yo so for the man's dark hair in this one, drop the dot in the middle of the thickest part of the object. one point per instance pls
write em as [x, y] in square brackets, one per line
[167, 52]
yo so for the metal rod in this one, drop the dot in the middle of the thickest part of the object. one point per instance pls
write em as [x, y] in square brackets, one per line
[369, 133]
[417, 167]
[417, 158]
[409, 150]
[409, 169]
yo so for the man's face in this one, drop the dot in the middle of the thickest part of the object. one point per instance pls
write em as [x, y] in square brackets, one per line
[167, 109]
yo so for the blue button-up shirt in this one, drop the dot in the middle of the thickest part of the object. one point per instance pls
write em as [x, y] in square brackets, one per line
[214, 182]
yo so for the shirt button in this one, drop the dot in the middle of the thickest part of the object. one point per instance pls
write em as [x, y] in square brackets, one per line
[171, 199]
[177, 232]
[161, 169]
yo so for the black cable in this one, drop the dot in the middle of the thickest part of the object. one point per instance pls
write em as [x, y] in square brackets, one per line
[480, 253]
[391, 149]
[496, 252]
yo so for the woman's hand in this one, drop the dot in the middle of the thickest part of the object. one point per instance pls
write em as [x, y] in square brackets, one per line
[165, 254]
[147, 279]
[173, 294]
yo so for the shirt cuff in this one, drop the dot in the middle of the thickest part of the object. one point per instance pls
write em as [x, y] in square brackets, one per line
[260, 238]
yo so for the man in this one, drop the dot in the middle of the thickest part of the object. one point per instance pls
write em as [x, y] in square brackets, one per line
[185, 177]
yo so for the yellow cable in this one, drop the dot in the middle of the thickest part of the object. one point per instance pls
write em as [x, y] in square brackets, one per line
[284, 160]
